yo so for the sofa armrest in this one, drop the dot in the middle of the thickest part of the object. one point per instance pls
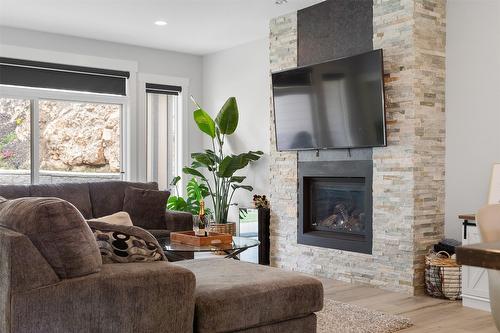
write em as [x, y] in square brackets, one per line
[136, 297]
[178, 221]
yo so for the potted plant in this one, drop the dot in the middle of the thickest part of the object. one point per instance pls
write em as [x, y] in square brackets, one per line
[195, 192]
[217, 169]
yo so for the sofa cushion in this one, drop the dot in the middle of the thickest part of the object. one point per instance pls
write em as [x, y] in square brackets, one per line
[232, 295]
[57, 230]
[14, 191]
[178, 221]
[77, 194]
[122, 298]
[125, 244]
[120, 218]
[107, 197]
[159, 233]
[146, 207]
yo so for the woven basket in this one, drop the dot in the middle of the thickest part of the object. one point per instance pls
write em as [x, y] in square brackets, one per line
[443, 277]
[227, 228]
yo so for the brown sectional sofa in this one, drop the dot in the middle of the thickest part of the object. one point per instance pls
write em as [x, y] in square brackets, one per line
[52, 278]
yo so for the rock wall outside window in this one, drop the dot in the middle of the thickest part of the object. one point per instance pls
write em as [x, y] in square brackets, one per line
[74, 136]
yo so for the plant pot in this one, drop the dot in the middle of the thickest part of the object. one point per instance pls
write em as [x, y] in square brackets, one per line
[226, 228]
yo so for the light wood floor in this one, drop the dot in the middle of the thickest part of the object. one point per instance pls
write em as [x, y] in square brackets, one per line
[428, 314]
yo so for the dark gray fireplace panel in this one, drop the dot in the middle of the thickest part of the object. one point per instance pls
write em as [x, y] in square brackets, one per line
[334, 29]
[336, 205]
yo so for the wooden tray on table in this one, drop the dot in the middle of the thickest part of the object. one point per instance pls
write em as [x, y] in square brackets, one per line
[188, 237]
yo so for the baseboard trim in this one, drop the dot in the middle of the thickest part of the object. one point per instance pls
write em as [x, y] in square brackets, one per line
[475, 302]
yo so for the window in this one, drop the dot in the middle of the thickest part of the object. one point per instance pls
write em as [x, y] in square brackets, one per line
[49, 134]
[15, 141]
[78, 141]
[162, 153]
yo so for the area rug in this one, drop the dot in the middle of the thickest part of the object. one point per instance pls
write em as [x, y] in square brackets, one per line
[337, 317]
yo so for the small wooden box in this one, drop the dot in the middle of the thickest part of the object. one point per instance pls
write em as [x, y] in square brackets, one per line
[188, 237]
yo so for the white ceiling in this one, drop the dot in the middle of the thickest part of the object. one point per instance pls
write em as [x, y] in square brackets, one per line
[194, 26]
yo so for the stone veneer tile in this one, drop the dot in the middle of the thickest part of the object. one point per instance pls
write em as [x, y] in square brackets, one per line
[408, 178]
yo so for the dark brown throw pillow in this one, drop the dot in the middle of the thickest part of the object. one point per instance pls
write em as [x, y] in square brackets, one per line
[146, 207]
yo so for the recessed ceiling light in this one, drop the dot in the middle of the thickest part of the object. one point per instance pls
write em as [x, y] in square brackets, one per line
[160, 23]
[280, 2]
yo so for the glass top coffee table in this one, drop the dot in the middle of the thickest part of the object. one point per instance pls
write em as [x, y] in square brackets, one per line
[239, 244]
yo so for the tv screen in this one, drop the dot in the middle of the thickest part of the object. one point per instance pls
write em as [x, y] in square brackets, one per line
[336, 104]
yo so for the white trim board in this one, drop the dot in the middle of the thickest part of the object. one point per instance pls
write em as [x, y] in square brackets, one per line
[27, 53]
[475, 302]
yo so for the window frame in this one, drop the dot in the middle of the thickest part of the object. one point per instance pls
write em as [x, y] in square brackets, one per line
[182, 125]
[37, 94]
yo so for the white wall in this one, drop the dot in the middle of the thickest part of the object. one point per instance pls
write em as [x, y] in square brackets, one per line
[153, 61]
[243, 72]
[472, 105]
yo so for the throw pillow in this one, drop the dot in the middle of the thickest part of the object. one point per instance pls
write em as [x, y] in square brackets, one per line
[146, 207]
[120, 218]
[124, 244]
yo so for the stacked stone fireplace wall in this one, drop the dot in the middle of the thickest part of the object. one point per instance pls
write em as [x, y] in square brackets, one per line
[408, 174]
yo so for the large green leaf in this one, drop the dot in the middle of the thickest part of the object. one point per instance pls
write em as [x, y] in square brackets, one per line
[177, 203]
[193, 206]
[212, 155]
[205, 122]
[204, 158]
[253, 155]
[245, 187]
[196, 165]
[193, 190]
[237, 179]
[227, 119]
[196, 191]
[193, 172]
[175, 180]
[231, 164]
[205, 192]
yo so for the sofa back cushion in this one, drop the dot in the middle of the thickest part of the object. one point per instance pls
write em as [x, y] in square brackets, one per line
[107, 197]
[146, 207]
[93, 200]
[57, 230]
[76, 194]
[14, 191]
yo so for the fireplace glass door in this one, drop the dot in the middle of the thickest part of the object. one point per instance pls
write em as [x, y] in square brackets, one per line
[338, 205]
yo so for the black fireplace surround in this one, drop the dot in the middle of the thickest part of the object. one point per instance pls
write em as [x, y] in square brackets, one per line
[336, 205]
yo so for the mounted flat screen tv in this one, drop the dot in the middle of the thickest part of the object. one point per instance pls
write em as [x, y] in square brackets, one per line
[336, 104]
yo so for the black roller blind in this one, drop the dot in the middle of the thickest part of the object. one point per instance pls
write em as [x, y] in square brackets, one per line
[162, 89]
[37, 74]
